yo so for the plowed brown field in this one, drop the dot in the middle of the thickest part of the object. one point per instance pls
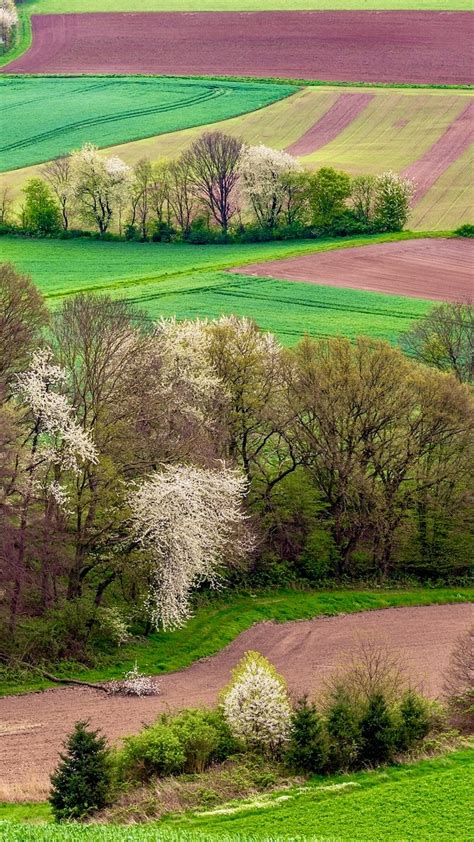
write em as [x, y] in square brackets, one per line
[438, 269]
[304, 652]
[413, 47]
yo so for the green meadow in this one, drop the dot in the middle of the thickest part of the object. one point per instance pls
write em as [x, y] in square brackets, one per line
[427, 801]
[58, 6]
[46, 116]
[194, 281]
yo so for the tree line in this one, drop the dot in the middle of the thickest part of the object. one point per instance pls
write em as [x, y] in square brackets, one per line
[141, 461]
[218, 189]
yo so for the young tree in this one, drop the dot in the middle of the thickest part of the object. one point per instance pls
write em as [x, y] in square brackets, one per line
[256, 705]
[186, 518]
[5, 205]
[100, 185]
[363, 194]
[444, 339]
[393, 195]
[415, 721]
[307, 750]
[265, 177]
[182, 197]
[8, 21]
[459, 683]
[81, 783]
[213, 161]
[343, 734]
[58, 174]
[328, 191]
[40, 213]
[140, 195]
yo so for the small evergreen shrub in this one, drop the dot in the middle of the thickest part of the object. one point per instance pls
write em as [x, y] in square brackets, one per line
[377, 732]
[307, 751]
[343, 735]
[81, 783]
[415, 721]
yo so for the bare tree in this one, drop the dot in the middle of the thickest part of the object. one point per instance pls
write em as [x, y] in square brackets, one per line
[182, 195]
[58, 174]
[142, 181]
[445, 339]
[22, 316]
[213, 160]
[5, 205]
[459, 682]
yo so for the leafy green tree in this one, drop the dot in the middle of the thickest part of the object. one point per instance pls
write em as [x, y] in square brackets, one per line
[307, 751]
[343, 733]
[328, 191]
[377, 732]
[40, 213]
[81, 783]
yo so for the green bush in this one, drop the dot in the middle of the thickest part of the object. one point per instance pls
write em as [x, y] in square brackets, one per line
[81, 783]
[466, 230]
[157, 750]
[343, 734]
[307, 751]
[415, 721]
[204, 737]
[377, 732]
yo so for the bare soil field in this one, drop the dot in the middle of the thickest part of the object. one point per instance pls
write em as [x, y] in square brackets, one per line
[412, 47]
[306, 653]
[448, 148]
[439, 269]
[346, 108]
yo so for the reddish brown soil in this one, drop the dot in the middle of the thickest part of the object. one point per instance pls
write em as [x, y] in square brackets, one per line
[414, 47]
[452, 143]
[304, 652]
[439, 269]
[346, 108]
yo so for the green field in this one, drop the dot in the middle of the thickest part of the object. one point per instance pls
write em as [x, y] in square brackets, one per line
[430, 800]
[216, 623]
[43, 117]
[189, 281]
[61, 6]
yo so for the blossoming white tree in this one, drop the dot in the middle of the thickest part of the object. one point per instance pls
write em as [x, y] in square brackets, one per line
[393, 194]
[8, 20]
[100, 185]
[54, 443]
[186, 517]
[263, 172]
[256, 704]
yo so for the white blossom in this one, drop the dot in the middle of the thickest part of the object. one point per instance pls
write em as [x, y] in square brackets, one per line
[66, 442]
[256, 704]
[135, 683]
[186, 517]
[262, 173]
[183, 349]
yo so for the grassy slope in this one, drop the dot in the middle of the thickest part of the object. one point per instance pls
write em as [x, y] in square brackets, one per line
[425, 801]
[188, 281]
[392, 132]
[56, 6]
[218, 622]
[111, 110]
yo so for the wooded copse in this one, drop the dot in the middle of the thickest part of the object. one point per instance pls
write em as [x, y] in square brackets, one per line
[141, 461]
[218, 189]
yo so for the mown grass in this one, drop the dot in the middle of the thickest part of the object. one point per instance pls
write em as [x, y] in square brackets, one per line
[429, 800]
[218, 622]
[46, 116]
[189, 281]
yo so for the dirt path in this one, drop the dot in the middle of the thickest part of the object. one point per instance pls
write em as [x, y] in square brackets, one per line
[387, 46]
[33, 726]
[438, 269]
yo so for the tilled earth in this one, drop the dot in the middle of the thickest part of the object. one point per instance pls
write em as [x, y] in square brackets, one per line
[413, 47]
[34, 726]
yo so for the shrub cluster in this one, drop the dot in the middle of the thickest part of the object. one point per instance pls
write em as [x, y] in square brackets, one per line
[255, 716]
